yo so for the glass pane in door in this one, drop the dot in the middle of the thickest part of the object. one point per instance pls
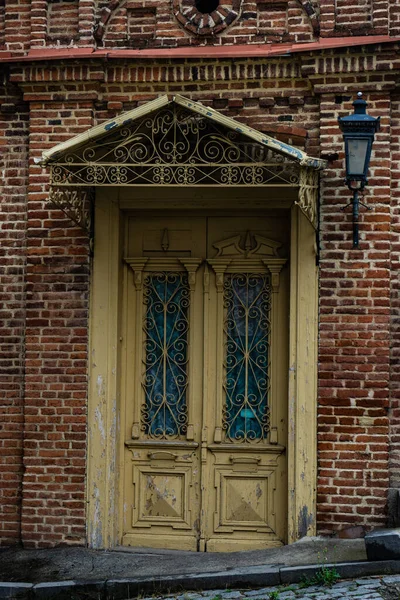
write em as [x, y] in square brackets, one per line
[247, 301]
[166, 296]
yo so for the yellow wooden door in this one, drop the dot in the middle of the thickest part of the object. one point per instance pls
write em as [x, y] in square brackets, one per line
[205, 382]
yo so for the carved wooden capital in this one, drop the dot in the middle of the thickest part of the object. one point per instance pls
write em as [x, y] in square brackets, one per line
[137, 265]
[219, 267]
[191, 265]
[274, 266]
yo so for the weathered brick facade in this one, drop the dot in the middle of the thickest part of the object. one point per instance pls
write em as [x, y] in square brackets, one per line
[69, 65]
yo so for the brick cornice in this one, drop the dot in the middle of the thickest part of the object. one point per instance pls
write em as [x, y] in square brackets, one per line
[237, 51]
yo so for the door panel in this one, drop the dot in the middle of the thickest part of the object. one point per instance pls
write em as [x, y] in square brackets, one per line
[247, 465]
[205, 382]
[162, 478]
[166, 236]
[222, 228]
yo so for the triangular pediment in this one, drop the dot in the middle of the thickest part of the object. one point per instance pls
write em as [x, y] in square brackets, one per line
[175, 142]
[179, 142]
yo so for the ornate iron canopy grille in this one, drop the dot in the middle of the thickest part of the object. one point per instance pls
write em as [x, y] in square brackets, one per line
[175, 142]
[174, 146]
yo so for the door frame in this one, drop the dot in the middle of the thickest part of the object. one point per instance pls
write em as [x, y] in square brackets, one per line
[105, 444]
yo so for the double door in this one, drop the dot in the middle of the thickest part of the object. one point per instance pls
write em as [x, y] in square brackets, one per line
[204, 375]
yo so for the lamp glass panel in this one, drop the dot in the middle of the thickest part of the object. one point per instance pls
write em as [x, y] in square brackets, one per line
[357, 150]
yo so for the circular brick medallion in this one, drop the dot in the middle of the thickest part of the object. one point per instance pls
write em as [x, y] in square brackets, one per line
[206, 17]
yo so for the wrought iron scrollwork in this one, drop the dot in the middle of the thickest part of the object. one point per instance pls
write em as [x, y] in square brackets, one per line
[308, 194]
[166, 325]
[174, 146]
[76, 203]
[247, 300]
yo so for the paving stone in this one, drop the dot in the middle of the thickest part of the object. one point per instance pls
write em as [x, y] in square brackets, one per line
[371, 582]
[368, 589]
[356, 592]
[361, 589]
[340, 584]
[261, 597]
[261, 591]
[391, 579]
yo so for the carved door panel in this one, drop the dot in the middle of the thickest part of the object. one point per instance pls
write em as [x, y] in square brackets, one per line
[163, 379]
[247, 348]
[205, 383]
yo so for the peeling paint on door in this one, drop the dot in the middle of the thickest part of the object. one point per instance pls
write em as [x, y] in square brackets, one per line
[305, 521]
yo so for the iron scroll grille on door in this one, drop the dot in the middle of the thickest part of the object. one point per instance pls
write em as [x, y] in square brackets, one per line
[166, 325]
[247, 300]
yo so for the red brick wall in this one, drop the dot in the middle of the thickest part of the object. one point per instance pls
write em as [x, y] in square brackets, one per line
[63, 20]
[365, 17]
[53, 508]
[112, 24]
[2, 23]
[354, 348]
[14, 131]
[359, 15]
[394, 18]
[17, 26]
[395, 298]
[259, 22]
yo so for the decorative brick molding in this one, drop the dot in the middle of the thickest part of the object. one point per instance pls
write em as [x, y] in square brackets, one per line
[63, 20]
[370, 17]
[104, 17]
[312, 14]
[205, 23]
[131, 23]
[2, 21]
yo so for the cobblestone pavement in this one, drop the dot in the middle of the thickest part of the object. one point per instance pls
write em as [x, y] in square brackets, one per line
[367, 588]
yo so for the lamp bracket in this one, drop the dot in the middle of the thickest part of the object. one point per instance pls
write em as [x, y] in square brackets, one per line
[355, 203]
[343, 208]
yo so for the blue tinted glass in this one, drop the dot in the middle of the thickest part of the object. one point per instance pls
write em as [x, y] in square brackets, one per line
[247, 304]
[166, 296]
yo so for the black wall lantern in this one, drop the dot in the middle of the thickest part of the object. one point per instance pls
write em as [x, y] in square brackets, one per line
[358, 133]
